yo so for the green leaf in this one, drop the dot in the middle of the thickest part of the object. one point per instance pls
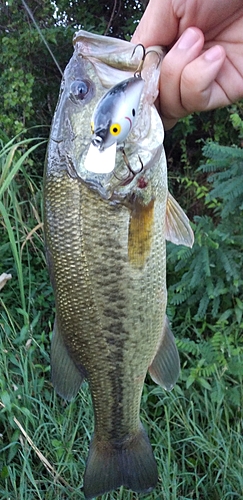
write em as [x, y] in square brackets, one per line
[4, 472]
[204, 383]
[6, 400]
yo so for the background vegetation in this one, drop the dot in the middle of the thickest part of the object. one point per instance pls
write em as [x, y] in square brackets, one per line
[196, 430]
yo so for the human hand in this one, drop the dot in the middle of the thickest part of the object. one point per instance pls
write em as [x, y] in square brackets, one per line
[203, 69]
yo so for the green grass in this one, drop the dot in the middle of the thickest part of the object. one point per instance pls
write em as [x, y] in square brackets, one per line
[196, 433]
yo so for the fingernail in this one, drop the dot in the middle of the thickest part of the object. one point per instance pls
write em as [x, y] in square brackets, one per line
[213, 54]
[187, 40]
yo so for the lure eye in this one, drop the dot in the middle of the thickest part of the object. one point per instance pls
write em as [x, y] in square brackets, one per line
[79, 89]
[115, 129]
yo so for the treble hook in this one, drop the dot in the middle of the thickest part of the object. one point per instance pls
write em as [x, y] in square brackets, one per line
[131, 173]
[138, 71]
[157, 54]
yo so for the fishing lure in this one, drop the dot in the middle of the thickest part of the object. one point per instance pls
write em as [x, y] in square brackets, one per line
[112, 121]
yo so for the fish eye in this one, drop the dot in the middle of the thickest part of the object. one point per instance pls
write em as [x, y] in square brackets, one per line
[115, 129]
[79, 89]
[133, 112]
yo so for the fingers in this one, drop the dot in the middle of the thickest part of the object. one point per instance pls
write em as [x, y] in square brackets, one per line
[187, 81]
[200, 87]
[186, 49]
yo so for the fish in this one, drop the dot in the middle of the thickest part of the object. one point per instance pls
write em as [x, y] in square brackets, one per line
[105, 236]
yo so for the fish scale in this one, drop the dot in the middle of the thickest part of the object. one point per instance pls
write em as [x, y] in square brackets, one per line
[127, 290]
[105, 243]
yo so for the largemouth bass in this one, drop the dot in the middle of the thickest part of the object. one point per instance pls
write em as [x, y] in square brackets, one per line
[105, 238]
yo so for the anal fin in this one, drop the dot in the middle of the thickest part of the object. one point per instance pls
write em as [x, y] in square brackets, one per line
[65, 376]
[165, 367]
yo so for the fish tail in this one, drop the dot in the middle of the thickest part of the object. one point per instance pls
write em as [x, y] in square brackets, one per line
[130, 464]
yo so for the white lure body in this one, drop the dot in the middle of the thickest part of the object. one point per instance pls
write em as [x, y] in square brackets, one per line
[100, 161]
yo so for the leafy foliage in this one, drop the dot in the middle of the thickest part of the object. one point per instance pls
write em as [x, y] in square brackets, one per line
[206, 283]
[21, 251]
[210, 273]
[29, 78]
[196, 430]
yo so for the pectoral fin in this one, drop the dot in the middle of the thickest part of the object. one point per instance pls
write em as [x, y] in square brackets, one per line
[65, 376]
[165, 367]
[178, 229]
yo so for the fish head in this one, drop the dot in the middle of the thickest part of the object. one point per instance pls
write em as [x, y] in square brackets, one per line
[105, 122]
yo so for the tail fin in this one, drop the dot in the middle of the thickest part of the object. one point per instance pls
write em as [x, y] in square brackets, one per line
[130, 464]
